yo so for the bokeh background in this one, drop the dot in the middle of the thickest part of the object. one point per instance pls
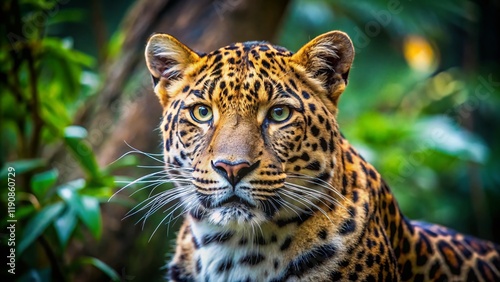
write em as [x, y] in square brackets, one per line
[423, 105]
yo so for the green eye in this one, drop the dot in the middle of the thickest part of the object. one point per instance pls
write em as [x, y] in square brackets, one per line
[201, 113]
[279, 113]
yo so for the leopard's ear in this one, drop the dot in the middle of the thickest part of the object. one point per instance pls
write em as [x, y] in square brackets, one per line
[167, 58]
[328, 58]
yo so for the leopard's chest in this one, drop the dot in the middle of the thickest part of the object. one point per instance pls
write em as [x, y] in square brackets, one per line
[230, 262]
[242, 256]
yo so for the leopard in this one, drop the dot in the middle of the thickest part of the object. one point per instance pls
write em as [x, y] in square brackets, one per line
[269, 188]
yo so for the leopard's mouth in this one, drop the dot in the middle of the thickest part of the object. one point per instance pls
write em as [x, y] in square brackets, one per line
[235, 201]
[234, 212]
[211, 202]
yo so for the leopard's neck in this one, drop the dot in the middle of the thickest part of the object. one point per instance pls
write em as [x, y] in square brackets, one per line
[358, 177]
[236, 254]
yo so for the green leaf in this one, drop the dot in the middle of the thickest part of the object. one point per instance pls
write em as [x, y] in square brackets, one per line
[34, 274]
[68, 191]
[62, 50]
[70, 187]
[66, 16]
[91, 215]
[24, 211]
[65, 225]
[40, 4]
[9, 106]
[115, 44]
[38, 224]
[101, 193]
[90, 82]
[443, 134]
[20, 167]
[75, 132]
[74, 137]
[86, 207]
[110, 272]
[55, 112]
[41, 182]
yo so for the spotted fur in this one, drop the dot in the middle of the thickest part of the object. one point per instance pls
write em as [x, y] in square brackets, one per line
[271, 190]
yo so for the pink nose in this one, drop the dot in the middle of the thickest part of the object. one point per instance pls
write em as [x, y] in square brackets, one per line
[232, 172]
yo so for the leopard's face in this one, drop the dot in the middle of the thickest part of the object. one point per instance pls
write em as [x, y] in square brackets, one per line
[250, 128]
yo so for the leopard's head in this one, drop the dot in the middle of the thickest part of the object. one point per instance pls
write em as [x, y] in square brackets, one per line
[250, 129]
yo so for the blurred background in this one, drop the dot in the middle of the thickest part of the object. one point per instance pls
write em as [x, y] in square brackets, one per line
[423, 105]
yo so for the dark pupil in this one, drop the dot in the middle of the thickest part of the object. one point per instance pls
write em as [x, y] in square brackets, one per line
[278, 111]
[203, 111]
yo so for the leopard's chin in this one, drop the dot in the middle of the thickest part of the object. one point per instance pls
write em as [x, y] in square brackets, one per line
[235, 216]
[236, 213]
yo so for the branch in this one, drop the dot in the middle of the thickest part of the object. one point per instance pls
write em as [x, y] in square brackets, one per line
[57, 273]
[34, 105]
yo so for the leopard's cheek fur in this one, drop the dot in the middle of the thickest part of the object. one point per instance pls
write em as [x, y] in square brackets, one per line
[313, 155]
[180, 137]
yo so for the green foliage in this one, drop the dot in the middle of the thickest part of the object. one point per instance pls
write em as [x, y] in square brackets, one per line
[37, 225]
[99, 265]
[43, 82]
[74, 139]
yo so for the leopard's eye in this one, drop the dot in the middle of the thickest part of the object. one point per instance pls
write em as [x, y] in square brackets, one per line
[279, 113]
[201, 113]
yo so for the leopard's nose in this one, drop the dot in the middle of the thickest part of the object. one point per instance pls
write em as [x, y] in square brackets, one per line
[233, 172]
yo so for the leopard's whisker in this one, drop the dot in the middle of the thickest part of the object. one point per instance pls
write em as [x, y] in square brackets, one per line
[167, 168]
[134, 182]
[152, 199]
[314, 196]
[320, 195]
[172, 209]
[165, 200]
[163, 220]
[307, 202]
[178, 205]
[154, 184]
[319, 182]
[295, 197]
[312, 190]
[152, 156]
[185, 210]
[285, 203]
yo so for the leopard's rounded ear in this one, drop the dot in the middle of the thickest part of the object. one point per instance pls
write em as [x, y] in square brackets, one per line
[328, 58]
[167, 58]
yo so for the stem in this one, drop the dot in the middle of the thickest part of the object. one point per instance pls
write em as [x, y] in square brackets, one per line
[12, 21]
[15, 89]
[34, 105]
[57, 273]
[100, 30]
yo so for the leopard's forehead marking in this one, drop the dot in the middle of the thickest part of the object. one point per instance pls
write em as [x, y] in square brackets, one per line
[241, 76]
